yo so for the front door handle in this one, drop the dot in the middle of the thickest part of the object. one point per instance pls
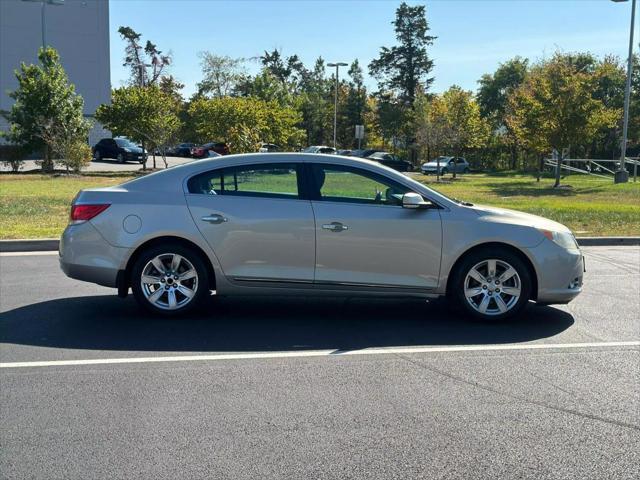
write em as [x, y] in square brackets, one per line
[335, 227]
[215, 218]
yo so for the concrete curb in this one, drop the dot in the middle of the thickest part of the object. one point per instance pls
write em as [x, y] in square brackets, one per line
[607, 241]
[51, 244]
[29, 245]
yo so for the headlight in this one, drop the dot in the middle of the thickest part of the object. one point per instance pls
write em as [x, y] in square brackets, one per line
[128, 150]
[564, 239]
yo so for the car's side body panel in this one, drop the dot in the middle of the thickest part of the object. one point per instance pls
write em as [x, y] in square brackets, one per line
[382, 245]
[252, 248]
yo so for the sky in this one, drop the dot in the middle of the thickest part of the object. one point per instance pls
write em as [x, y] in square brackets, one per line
[474, 36]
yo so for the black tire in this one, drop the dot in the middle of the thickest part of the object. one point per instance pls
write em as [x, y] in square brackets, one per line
[444, 171]
[456, 292]
[97, 156]
[201, 287]
[120, 158]
[466, 170]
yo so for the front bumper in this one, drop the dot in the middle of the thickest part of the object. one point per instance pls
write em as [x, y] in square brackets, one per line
[135, 157]
[85, 255]
[560, 272]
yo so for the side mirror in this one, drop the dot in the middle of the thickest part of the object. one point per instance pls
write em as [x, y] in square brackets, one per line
[415, 200]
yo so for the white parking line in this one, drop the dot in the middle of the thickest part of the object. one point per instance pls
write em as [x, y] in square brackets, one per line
[28, 254]
[320, 353]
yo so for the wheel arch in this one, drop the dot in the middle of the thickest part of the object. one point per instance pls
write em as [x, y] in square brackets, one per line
[505, 246]
[125, 278]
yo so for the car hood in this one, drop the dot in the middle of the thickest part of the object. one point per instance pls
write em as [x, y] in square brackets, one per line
[135, 149]
[504, 215]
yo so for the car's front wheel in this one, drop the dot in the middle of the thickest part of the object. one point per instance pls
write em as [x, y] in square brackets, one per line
[444, 171]
[491, 285]
[169, 279]
[97, 156]
[120, 158]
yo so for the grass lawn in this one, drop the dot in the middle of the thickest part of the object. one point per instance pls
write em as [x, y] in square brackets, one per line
[37, 206]
[591, 207]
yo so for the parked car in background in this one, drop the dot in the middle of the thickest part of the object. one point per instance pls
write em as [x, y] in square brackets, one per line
[346, 153]
[364, 153]
[120, 149]
[218, 147]
[447, 165]
[320, 149]
[392, 161]
[268, 147]
[237, 225]
[182, 150]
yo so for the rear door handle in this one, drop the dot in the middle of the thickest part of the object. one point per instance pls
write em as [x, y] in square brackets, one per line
[215, 218]
[335, 227]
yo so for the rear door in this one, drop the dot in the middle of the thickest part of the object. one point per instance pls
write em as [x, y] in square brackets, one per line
[255, 221]
[365, 237]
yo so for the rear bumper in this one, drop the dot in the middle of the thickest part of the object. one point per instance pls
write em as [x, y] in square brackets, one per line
[85, 255]
[560, 273]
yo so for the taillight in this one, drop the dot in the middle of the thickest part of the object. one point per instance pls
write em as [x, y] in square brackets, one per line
[82, 213]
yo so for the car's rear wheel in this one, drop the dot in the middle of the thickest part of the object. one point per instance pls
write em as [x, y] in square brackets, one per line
[491, 285]
[169, 279]
[97, 155]
[466, 170]
[120, 158]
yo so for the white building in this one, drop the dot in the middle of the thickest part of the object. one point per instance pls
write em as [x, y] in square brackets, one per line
[78, 29]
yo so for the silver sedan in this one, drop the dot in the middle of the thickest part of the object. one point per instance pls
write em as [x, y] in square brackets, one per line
[304, 224]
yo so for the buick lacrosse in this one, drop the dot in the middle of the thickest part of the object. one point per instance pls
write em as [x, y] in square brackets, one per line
[307, 224]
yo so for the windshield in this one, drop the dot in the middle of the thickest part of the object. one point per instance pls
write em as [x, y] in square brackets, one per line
[123, 142]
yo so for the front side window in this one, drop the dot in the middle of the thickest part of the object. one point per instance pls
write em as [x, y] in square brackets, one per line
[352, 185]
[265, 180]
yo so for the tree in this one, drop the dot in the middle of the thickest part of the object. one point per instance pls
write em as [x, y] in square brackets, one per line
[288, 70]
[555, 107]
[405, 68]
[317, 106]
[432, 126]
[354, 103]
[47, 111]
[172, 87]
[221, 74]
[243, 122]
[142, 114]
[492, 99]
[146, 63]
[465, 126]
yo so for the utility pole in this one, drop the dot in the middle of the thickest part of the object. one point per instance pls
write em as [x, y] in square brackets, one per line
[621, 175]
[335, 106]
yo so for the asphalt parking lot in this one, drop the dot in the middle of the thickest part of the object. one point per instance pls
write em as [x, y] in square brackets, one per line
[91, 387]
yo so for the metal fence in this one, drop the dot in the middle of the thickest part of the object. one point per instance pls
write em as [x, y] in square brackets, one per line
[595, 167]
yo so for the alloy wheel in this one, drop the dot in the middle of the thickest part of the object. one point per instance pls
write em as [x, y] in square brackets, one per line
[169, 281]
[492, 287]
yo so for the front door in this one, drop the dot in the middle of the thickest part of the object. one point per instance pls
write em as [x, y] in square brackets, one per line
[365, 237]
[255, 222]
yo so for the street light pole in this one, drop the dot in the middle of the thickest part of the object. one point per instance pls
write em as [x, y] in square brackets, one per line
[335, 105]
[621, 175]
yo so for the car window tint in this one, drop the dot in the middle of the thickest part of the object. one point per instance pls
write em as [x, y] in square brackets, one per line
[345, 184]
[265, 180]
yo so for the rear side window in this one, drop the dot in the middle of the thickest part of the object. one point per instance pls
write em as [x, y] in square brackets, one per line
[278, 180]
